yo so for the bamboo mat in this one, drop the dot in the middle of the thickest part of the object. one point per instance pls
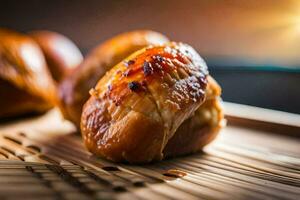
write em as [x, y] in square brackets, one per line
[42, 158]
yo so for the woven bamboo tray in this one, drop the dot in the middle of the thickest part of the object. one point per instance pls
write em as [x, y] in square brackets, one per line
[43, 158]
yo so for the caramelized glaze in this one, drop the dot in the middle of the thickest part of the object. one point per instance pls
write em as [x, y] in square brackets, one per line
[131, 115]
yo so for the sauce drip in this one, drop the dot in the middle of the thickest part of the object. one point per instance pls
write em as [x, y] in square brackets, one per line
[174, 173]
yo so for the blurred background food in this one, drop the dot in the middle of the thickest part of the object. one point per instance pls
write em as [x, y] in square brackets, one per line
[251, 47]
[61, 54]
[26, 84]
[31, 68]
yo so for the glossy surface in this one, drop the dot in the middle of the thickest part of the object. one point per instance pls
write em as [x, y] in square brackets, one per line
[139, 104]
[164, 64]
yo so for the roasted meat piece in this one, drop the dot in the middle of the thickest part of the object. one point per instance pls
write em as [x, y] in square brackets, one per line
[158, 102]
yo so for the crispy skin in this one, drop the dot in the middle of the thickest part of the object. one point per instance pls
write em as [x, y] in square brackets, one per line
[26, 84]
[74, 89]
[61, 54]
[136, 108]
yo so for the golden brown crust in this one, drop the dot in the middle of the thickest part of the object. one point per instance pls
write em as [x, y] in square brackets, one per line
[61, 54]
[16, 102]
[142, 101]
[124, 141]
[23, 66]
[74, 90]
[197, 131]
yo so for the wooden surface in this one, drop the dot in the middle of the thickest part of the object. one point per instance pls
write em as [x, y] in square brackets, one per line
[271, 121]
[42, 158]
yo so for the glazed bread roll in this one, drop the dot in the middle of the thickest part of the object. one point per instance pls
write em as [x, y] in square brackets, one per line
[61, 54]
[139, 110]
[74, 90]
[25, 82]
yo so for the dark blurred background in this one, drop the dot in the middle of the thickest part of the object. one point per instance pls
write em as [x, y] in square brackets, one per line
[252, 47]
